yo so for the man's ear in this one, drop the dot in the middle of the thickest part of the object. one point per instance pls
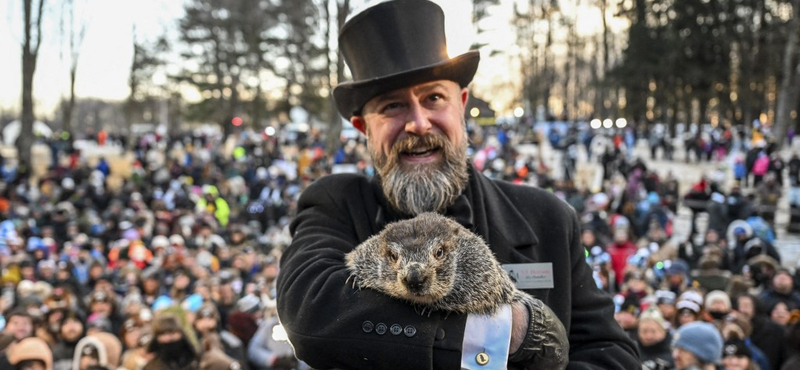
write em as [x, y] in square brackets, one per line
[464, 99]
[359, 123]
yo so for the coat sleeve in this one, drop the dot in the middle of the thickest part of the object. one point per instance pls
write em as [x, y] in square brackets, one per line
[333, 325]
[596, 339]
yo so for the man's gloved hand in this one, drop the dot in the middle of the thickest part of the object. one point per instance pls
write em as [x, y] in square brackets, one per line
[546, 345]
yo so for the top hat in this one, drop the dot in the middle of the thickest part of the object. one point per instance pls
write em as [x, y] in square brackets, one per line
[396, 44]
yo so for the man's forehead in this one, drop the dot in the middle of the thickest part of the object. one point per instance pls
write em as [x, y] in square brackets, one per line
[422, 87]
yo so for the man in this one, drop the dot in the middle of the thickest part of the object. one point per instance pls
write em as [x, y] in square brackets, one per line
[782, 290]
[19, 325]
[207, 322]
[171, 346]
[409, 98]
[71, 331]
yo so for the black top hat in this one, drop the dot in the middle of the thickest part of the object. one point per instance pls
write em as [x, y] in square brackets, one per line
[396, 44]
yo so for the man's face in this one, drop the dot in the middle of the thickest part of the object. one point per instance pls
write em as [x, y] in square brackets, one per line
[101, 307]
[683, 358]
[169, 337]
[651, 332]
[782, 283]
[205, 324]
[71, 330]
[746, 307]
[417, 139]
[20, 327]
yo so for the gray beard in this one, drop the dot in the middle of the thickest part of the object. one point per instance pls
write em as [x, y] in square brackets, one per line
[429, 187]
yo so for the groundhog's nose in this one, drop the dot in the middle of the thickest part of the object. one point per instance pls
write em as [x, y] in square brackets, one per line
[414, 280]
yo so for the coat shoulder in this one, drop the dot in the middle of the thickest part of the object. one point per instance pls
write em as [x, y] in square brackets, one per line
[531, 198]
[338, 186]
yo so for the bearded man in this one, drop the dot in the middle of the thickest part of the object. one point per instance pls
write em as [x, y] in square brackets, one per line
[408, 97]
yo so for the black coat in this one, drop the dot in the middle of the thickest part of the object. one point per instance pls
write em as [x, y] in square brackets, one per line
[327, 320]
[658, 356]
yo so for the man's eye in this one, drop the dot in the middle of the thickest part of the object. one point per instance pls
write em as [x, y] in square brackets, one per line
[391, 106]
[435, 97]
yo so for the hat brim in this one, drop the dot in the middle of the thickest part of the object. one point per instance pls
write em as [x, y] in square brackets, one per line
[351, 96]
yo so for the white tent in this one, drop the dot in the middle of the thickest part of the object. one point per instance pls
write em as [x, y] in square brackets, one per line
[12, 129]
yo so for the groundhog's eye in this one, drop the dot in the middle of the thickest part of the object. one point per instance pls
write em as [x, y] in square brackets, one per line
[392, 256]
[440, 252]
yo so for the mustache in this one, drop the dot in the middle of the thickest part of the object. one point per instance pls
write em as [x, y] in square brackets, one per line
[412, 142]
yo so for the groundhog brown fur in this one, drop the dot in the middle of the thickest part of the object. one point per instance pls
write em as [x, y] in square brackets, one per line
[435, 263]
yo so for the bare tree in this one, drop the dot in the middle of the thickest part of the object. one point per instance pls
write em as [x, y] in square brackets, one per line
[30, 52]
[790, 84]
[75, 41]
[335, 121]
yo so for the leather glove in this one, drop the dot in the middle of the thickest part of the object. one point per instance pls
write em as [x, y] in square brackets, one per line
[546, 345]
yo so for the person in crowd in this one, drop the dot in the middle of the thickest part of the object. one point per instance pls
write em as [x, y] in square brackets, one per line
[628, 315]
[19, 325]
[207, 322]
[779, 313]
[72, 329]
[29, 354]
[698, 346]
[214, 358]
[171, 346]
[766, 334]
[717, 306]
[690, 308]
[655, 341]
[97, 349]
[137, 357]
[738, 327]
[737, 356]
[782, 290]
[793, 341]
[676, 277]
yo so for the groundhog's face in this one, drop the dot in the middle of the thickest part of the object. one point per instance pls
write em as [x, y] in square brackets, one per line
[423, 262]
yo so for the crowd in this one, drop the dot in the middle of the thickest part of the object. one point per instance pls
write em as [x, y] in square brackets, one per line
[173, 265]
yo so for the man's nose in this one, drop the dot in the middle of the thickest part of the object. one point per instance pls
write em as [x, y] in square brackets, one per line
[417, 121]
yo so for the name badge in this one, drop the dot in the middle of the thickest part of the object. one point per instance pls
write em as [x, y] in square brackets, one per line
[531, 275]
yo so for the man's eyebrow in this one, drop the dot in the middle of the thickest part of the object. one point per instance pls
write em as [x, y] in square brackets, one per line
[429, 87]
[386, 96]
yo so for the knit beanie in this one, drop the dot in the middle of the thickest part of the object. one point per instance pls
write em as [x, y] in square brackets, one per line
[736, 347]
[717, 295]
[653, 314]
[701, 339]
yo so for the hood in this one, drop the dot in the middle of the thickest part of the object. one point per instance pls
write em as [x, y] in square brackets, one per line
[109, 349]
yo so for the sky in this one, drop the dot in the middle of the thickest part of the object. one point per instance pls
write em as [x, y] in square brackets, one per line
[106, 52]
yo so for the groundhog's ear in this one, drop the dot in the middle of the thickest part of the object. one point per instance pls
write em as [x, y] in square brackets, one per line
[389, 252]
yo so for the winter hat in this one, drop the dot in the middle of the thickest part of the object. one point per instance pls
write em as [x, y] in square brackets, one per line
[249, 303]
[207, 311]
[105, 346]
[631, 305]
[31, 348]
[701, 339]
[653, 314]
[715, 296]
[242, 325]
[665, 297]
[736, 347]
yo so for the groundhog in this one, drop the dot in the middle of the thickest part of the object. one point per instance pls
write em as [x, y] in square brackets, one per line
[435, 263]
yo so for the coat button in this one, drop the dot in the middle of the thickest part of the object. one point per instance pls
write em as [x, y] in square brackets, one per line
[409, 331]
[367, 326]
[482, 358]
[380, 328]
[396, 329]
[439, 334]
